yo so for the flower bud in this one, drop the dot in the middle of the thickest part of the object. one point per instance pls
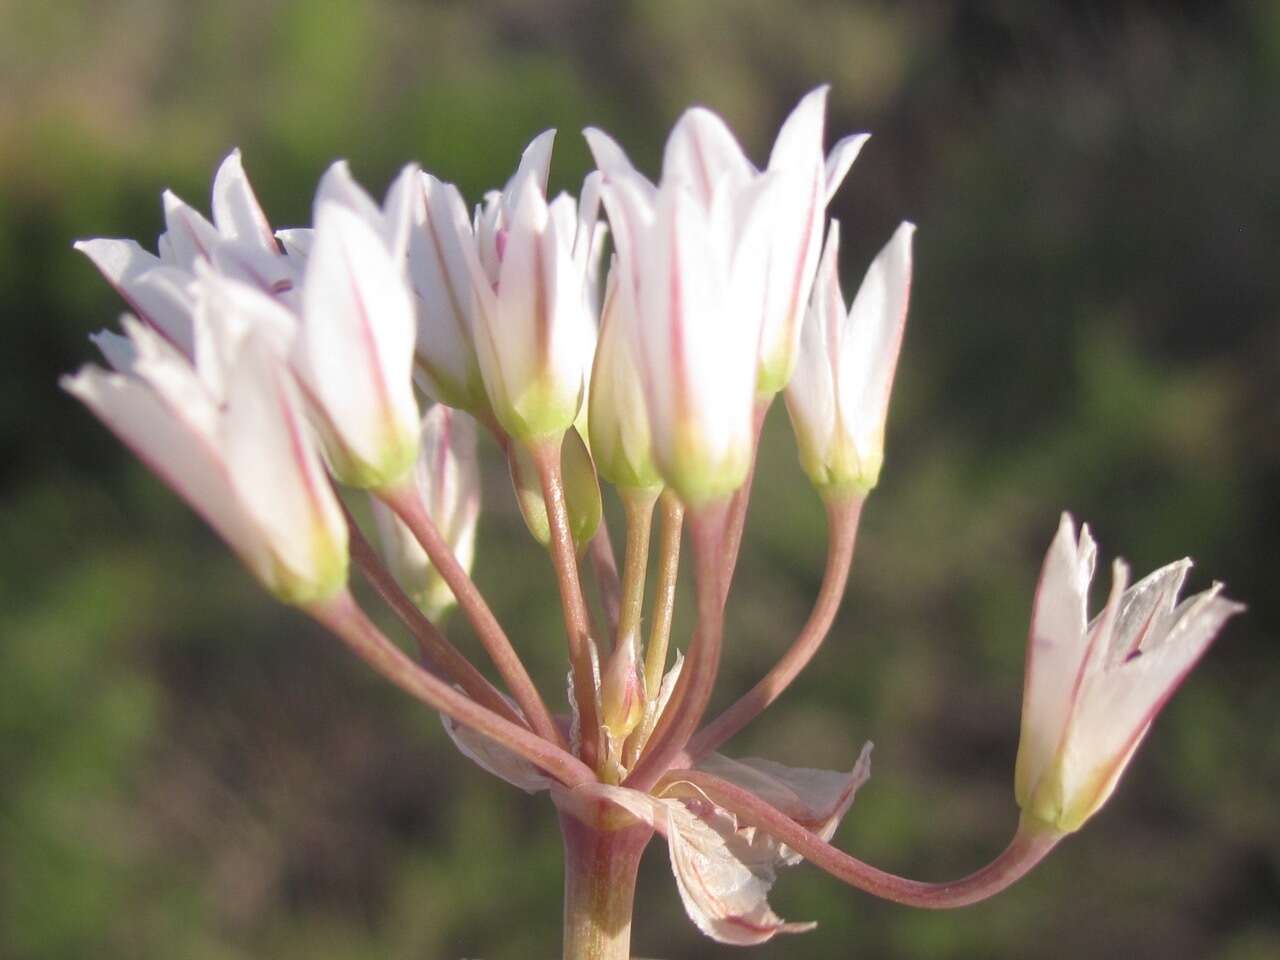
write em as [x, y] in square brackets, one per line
[354, 355]
[441, 245]
[622, 693]
[838, 397]
[534, 336]
[1093, 688]
[447, 476]
[617, 419]
[581, 490]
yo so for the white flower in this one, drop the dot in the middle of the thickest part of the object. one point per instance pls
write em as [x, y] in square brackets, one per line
[695, 252]
[838, 397]
[228, 433]
[393, 221]
[442, 244]
[158, 288]
[354, 352]
[534, 331]
[447, 476]
[345, 279]
[1093, 688]
[703, 151]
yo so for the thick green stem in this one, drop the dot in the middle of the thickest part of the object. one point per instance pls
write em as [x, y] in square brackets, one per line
[599, 888]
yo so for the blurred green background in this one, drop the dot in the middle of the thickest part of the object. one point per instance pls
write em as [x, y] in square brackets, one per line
[190, 770]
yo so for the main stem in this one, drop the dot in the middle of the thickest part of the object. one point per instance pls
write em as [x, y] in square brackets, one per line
[599, 888]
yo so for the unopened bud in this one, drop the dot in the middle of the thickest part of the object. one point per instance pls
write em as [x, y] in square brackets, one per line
[581, 490]
[622, 695]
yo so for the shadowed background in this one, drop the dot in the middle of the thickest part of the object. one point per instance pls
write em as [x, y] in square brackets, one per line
[188, 769]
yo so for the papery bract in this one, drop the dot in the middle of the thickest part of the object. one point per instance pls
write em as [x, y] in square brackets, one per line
[724, 870]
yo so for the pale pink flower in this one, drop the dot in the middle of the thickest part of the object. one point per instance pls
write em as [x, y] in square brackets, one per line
[534, 330]
[354, 352]
[695, 258]
[158, 288]
[703, 151]
[227, 431]
[1094, 687]
[838, 397]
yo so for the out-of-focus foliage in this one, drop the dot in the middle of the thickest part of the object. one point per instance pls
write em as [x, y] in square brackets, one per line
[188, 770]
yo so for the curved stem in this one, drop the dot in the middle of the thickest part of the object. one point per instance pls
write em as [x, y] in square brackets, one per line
[638, 505]
[697, 679]
[738, 506]
[437, 652]
[842, 533]
[664, 594]
[343, 616]
[408, 506]
[1030, 844]
[546, 457]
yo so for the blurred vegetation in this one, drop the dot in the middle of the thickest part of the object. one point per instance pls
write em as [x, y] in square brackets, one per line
[188, 770]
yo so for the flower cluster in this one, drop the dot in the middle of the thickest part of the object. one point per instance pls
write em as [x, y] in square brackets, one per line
[259, 371]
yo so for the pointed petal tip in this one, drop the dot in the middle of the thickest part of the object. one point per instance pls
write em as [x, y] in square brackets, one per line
[1067, 525]
[74, 383]
[232, 165]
